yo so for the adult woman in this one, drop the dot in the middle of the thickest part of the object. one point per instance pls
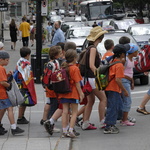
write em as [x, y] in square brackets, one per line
[93, 62]
[13, 33]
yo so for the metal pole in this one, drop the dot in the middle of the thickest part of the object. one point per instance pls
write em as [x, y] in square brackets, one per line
[38, 40]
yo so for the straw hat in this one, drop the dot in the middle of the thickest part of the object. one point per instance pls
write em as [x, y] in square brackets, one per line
[95, 33]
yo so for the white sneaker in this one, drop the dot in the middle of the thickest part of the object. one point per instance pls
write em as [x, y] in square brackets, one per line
[56, 130]
[102, 124]
[131, 119]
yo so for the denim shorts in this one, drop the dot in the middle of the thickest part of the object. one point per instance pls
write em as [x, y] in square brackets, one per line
[69, 100]
[148, 92]
[126, 100]
[5, 103]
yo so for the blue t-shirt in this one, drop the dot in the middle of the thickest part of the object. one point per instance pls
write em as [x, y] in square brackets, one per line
[49, 29]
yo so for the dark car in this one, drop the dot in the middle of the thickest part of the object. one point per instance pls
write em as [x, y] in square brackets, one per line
[141, 33]
[115, 36]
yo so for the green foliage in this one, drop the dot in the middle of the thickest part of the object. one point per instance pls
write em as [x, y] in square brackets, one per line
[45, 50]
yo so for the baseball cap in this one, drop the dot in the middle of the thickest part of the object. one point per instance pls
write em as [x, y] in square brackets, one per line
[119, 49]
[4, 55]
[133, 48]
[1, 45]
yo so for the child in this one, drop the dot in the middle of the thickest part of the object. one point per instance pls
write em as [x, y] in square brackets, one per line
[128, 83]
[24, 77]
[5, 103]
[71, 99]
[54, 53]
[113, 90]
[109, 45]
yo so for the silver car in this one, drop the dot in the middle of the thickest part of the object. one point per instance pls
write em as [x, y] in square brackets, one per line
[141, 33]
[77, 35]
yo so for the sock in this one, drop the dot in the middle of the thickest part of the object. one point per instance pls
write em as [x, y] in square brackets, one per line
[85, 124]
[52, 121]
[64, 130]
[13, 126]
[70, 130]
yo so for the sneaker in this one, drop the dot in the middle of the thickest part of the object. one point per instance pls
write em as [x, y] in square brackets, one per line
[16, 131]
[2, 131]
[127, 123]
[111, 130]
[49, 127]
[23, 120]
[78, 121]
[2, 128]
[90, 127]
[42, 121]
[133, 120]
[102, 125]
[56, 130]
[76, 133]
[71, 135]
[143, 111]
[64, 135]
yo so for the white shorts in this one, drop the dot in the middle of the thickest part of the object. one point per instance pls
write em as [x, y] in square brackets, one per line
[91, 81]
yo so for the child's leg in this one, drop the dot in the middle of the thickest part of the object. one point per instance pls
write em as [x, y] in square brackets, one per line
[65, 117]
[46, 111]
[2, 112]
[113, 103]
[74, 108]
[21, 111]
[81, 111]
[56, 115]
[145, 99]
[11, 115]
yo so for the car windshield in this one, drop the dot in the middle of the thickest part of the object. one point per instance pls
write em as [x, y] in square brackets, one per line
[56, 18]
[140, 30]
[101, 49]
[76, 33]
[125, 24]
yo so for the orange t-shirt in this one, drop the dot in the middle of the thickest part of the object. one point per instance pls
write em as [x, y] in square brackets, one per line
[75, 78]
[50, 93]
[107, 54]
[116, 71]
[3, 77]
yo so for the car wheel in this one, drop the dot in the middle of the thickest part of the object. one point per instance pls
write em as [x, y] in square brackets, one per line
[144, 80]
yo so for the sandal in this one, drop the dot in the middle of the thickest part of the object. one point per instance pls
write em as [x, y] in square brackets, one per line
[143, 111]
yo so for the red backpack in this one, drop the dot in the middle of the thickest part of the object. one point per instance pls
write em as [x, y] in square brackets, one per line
[142, 62]
[60, 81]
[49, 68]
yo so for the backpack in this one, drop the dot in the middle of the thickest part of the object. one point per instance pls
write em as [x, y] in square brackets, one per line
[49, 68]
[60, 81]
[32, 30]
[102, 75]
[142, 62]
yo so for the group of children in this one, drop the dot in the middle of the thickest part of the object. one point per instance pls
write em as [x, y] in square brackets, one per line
[118, 91]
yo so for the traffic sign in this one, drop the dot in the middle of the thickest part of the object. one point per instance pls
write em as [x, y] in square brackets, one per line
[3, 6]
[44, 8]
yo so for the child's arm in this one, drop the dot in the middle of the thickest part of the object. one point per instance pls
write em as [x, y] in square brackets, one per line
[79, 91]
[5, 84]
[119, 82]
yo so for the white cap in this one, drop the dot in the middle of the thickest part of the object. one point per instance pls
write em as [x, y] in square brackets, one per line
[1, 45]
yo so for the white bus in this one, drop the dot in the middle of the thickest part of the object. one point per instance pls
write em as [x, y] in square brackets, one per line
[95, 10]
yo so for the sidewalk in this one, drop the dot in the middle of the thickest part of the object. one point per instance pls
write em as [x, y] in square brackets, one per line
[35, 137]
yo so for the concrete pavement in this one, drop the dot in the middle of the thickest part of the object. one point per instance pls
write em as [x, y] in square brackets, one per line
[35, 137]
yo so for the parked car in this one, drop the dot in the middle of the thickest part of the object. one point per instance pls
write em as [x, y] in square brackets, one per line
[55, 18]
[66, 25]
[77, 35]
[70, 13]
[122, 24]
[141, 33]
[115, 36]
[62, 11]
